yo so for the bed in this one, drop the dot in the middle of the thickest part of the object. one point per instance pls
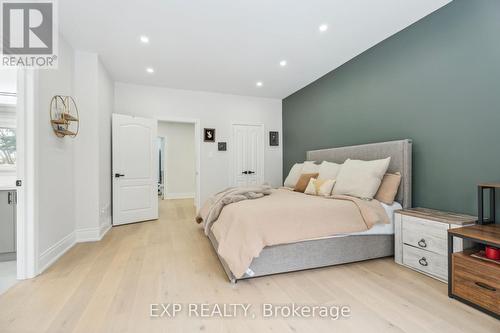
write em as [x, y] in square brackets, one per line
[376, 242]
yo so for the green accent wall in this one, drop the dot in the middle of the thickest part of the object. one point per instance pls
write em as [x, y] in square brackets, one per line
[436, 82]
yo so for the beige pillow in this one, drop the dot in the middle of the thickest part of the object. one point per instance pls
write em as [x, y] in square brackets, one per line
[304, 181]
[321, 187]
[293, 175]
[310, 167]
[361, 178]
[388, 188]
[328, 170]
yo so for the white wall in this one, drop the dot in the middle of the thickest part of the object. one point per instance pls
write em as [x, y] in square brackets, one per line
[86, 143]
[214, 110]
[106, 101]
[54, 164]
[72, 175]
[94, 96]
[181, 160]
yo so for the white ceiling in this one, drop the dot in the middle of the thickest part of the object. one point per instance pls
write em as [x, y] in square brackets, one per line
[229, 45]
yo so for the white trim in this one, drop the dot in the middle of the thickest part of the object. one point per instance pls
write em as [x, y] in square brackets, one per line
[27, 172]
[91, 234]
[178, 196]
[197, 143]
[49, 256]
[56, 251]
[104, 228]
[87, 234]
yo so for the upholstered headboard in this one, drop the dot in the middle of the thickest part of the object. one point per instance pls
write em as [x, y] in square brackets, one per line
[400, 152]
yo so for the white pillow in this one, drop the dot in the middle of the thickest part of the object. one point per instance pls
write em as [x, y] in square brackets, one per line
[310, 167]
[361, 178]
[329, 170]
[293, 175]
[320, 187]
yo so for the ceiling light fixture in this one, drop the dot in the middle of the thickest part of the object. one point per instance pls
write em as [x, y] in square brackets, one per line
[150, 70]
[259, 84]
[283, 63]
[323, 28]
[144, 39]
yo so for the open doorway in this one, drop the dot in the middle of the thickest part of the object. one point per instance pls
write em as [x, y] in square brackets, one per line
[8, 170]
[137, 170]
[178, 158]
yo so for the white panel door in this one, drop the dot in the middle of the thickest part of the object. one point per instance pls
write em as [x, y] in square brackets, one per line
[248, 155]
[240, 161]
[135, 164]
[254, 155]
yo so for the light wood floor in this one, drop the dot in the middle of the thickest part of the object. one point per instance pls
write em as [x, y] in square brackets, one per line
[108, 286]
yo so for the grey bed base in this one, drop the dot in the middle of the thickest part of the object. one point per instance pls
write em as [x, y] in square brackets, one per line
[337, 250]
[314, 254]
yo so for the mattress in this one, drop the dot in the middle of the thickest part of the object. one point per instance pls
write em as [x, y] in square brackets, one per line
[377, 229]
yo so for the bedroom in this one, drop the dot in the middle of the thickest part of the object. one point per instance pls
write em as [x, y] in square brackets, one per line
[391, 94]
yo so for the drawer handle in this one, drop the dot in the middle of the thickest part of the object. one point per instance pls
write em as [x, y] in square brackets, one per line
[422, 243]
[423, 262]
[485, 286]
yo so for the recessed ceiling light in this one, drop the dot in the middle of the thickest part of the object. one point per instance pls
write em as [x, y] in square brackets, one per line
[150, 70]
[144, 39]
[323, 28]
[283, 63]
[259, 84]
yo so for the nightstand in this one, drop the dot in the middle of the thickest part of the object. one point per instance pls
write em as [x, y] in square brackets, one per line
[421, 241]
[474, 280]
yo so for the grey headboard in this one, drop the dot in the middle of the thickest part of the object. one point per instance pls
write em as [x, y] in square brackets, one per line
[400, 152]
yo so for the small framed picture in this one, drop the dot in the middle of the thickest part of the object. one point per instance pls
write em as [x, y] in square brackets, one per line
[209, 134]
[274, 138]
[222, 146]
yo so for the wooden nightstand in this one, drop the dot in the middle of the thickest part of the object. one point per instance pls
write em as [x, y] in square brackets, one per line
[475, 281]
[421, 239]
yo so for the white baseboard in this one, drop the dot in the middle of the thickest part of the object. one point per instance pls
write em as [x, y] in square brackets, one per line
[87, 234]
[178, 196]
[104, 228]
[49, 256]
[92, 234]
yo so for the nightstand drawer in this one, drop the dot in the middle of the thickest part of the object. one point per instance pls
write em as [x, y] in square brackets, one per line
[425, 261]
[476, 281]
[415, 225]
[421, 239]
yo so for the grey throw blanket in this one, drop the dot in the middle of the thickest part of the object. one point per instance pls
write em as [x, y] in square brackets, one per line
[212, 208]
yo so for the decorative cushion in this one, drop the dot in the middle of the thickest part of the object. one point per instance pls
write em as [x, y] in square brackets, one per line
[328, 170]
[293, 175]
[310, 167]
[361, 178]
[388, 188]
[321, 187]
[304, 181]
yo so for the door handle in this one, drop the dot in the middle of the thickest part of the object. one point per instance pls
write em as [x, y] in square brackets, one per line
[245, 172]
[251, 172]
[118, 175]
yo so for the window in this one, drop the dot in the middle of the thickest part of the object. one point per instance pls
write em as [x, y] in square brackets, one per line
[8, 138]
[7, 148]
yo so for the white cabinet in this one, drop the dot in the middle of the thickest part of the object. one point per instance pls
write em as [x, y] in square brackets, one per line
[7, 225]
[421, 239]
